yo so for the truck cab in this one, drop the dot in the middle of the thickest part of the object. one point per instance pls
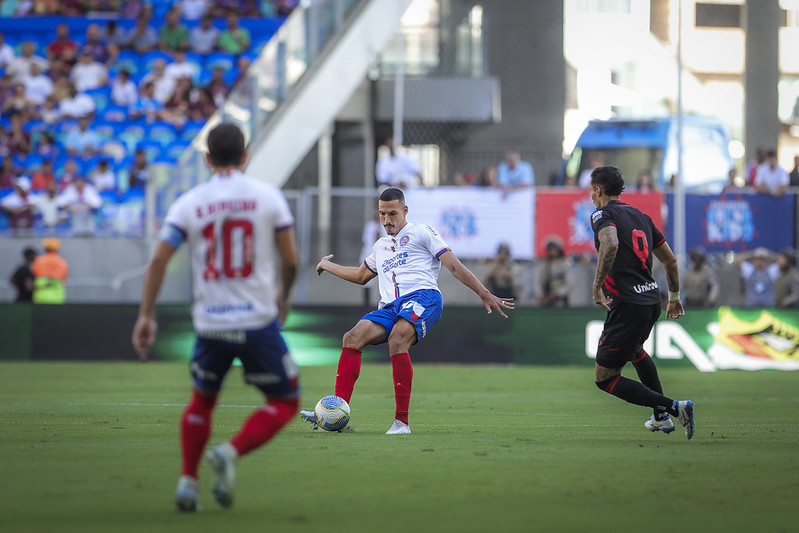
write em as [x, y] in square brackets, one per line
[650, 145]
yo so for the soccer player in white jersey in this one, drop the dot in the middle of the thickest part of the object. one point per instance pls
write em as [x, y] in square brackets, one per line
[406, 263]
[244, 262]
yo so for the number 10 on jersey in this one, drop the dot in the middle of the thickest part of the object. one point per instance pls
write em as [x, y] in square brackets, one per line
[235, 239]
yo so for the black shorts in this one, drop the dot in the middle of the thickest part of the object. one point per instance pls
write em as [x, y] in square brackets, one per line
[627, 326]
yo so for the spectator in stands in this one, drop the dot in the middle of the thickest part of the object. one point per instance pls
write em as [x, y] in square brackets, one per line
[163, 86]
[46, 146]
[284, 7]
[49, 111]
[173, 36]
[551, 284]
[644, 183]
[142, 37]
[771, 178]
[82, 202]
[83, 141]
[202, 106]
[753, 165]
[514, 174]
[62, 47]
[18, 102]
[18, 206]
[733, 185]
[132, 9]
[192, 9]
[503, 275]
[5, 151]
[242, 65]
[87, 73]
[699, 285]
[113, 34]
[103, 177]
[139, 172]
[123, 91]
[786, 286]
[8, 173]
[23, 8]
[203, 38]
[178, 103]
[487, 177]
[50, 271]
[179, 67]
[101, 52]
[43, 177]
[76, 105]
[6, 52]
[235, 39]
[19, 68]
[146, 105]
[68, 175]
[220, 8]
[19, 140]
[47, 206]
[759, 273]
[59, 68]
[397, 167]
[217, 86]
[38, 86]
[794, 174]
[22, 278]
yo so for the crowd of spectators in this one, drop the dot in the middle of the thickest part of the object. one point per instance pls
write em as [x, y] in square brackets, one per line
[54, 132]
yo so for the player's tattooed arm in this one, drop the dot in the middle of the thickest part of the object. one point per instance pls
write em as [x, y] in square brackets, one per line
[608, 246]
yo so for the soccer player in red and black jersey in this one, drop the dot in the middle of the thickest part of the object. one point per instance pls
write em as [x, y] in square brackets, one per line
[626, 240]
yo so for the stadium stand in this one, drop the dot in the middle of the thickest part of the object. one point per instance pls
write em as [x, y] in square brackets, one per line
[162, 126]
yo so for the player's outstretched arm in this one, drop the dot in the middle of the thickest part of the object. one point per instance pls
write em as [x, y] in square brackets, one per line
[467, 277]
[146, 328]
[359, 274]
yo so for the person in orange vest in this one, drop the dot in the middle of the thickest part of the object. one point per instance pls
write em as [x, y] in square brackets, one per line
[50, 271]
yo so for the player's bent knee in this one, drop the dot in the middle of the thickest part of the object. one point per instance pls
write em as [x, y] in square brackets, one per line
[605, 384]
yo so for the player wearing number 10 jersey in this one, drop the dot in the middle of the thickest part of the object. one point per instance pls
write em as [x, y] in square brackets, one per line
[626, 239]
[244, 262]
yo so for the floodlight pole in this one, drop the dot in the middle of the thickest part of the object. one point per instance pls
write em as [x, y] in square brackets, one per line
[679, 182]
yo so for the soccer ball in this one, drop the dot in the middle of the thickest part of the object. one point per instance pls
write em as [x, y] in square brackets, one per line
[332, 413]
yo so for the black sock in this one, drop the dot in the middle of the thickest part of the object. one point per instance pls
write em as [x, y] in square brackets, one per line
[648, 374]
[634, 392]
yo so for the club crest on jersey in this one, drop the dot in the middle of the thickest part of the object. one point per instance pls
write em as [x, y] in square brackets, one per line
[596, 216]
[404, 240]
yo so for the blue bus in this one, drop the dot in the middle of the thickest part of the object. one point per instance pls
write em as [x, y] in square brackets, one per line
[650, 145]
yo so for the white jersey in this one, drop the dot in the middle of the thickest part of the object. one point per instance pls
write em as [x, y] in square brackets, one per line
[230, 222]
[407, 262]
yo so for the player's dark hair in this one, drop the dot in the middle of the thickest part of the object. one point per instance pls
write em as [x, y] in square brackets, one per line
[226, 145]
[391, 194]
[29, 254]
[609, 178]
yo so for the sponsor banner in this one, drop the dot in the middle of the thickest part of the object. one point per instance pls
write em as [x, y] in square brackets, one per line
[736, 222]
[566, 215]
[473, 221]
[705, 339]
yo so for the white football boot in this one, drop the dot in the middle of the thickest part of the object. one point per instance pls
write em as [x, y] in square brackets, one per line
[399, 428]
[222, 462]
[187, 495]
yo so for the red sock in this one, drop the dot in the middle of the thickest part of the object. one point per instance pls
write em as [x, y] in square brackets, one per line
[195, 428]
[349, 368]
[403, 379]
[263, 424]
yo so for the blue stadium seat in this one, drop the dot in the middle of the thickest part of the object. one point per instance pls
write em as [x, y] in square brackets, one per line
[176, 149]
[151, 148]
[127, 60]
[114, 113]
[222, 59]
[101, 97]
[132, 133]
[163, 132]
[106, 130]
[191, 129]
[149, 59]
[28, 163]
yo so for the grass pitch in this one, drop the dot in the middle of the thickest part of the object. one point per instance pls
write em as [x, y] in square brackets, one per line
[93, 447]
